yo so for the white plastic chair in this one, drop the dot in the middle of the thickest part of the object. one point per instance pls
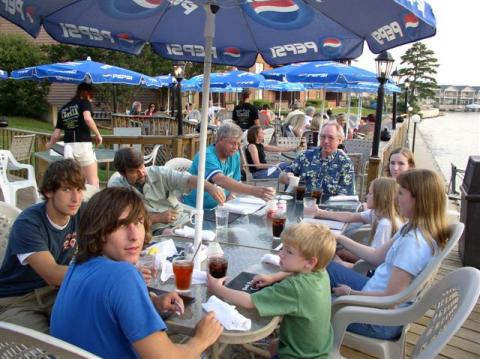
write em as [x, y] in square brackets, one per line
[9, 187]
[179, 164]
[149, 159]
[8, 214]
[453, 297]
[413, 292]
[20, 342]
[22, 147]
[416, 287]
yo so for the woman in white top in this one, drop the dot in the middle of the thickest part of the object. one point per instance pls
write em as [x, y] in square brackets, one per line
[421, 200]
[382, 214]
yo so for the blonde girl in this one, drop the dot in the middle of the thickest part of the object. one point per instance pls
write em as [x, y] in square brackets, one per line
[421, 200]
[382, 214]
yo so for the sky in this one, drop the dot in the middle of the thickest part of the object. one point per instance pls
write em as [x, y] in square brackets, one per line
[456, 44]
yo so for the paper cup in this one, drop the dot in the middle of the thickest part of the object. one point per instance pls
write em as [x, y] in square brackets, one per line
[292, 183]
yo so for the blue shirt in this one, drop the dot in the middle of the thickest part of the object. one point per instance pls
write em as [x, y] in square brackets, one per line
[334, 174]
[213, 165]
[103, 306]
[32, 232]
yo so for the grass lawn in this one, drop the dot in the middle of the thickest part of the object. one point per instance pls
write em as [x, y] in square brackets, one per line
[31, 124]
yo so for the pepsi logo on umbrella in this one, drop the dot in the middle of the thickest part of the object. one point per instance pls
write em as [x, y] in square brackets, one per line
[133, 9]
[411, 24]
[279, 14]
[331, 46]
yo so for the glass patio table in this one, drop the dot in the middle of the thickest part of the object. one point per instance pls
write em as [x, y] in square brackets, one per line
[240, 259]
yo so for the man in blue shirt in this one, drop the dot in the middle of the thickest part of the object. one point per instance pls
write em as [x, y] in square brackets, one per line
[41, 244]
[325, 167]
[222, 167]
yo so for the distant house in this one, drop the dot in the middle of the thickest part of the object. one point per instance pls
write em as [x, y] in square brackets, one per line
[456, 97]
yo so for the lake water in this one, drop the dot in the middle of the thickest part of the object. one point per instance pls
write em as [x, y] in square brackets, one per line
[452, 138]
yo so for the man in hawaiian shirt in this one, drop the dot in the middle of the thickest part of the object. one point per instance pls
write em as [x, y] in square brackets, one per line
[325, 167]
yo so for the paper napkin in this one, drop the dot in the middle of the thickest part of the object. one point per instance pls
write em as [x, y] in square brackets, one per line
[189, 232]
[227, 315]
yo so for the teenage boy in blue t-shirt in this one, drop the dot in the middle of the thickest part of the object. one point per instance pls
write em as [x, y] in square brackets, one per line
[105, 296]
[301, 294]
[41, 244]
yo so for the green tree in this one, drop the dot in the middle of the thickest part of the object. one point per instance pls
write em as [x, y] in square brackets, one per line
[420, 68]
[21, 98]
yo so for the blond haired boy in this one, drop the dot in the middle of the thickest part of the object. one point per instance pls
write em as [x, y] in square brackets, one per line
[301, 294]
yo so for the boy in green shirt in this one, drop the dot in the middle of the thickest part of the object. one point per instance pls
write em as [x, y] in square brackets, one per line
[302, 294]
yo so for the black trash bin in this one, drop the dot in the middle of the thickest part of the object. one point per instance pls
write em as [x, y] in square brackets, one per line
[469, 245]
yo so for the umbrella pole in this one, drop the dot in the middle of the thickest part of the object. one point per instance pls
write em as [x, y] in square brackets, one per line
[347, 122]
[168, 100]
[324, 90]
[207, 66]
[280, 105]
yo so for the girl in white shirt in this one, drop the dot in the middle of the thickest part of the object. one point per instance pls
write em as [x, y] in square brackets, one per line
[382, 214]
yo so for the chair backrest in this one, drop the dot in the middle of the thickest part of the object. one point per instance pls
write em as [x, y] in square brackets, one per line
[179, 164]
[288, 141]
[359, 146]
[20, 342]
[8, 214]
[244, 163]
[453, 297]
[427, 275]
[267, 135]
[150, 158]
[22, 147]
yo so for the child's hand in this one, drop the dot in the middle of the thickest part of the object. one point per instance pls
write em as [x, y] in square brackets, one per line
[262, 280]
[341, 290]
[213, 284]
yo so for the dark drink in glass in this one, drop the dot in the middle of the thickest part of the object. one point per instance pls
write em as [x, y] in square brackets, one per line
[278, 224]
[300, 192]
[317, 193]
[217, 266]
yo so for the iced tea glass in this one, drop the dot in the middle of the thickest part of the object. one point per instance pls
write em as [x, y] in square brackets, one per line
[182, 270]
[278, 224]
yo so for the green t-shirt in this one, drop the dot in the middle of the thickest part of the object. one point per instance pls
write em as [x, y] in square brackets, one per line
[304, 300]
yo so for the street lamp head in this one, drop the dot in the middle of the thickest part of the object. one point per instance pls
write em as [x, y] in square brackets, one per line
[384, 63]
[416, 118]
[178, 70]
[395, 76]
[410, 108]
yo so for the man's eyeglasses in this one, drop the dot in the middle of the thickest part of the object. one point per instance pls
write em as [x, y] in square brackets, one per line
[330, 138]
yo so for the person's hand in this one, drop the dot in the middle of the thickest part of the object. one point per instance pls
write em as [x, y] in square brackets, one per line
[213, 284]
[262, 280]
[231, 196]
[342, 290]
[284, 177]
[170, 302]
[169, 216]
[265, 193]
[217, 193]
[208, 330]
[48, 145]
[98, 139]
[146, 274]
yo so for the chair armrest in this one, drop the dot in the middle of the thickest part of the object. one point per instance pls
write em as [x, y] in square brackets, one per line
[383, 302]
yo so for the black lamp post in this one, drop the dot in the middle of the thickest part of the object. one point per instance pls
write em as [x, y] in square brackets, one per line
[416, 119]
[384, 63]
[396, 77]
[406, 84]
[178, 72]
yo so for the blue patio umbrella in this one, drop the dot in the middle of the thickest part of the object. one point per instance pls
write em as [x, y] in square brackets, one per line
[3, 74]
[282, 86]
[282, 31]
[82, 71]
[160, 81]
[242, 79]
[321, 72]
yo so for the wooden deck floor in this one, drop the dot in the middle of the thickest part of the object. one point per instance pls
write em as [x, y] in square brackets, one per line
[464, 345]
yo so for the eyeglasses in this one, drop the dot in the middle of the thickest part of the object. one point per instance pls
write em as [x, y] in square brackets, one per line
[330, 138]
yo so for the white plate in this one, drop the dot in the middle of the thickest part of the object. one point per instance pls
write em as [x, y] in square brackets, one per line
[285, 197]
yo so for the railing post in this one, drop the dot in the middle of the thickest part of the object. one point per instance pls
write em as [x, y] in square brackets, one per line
[374, 165]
